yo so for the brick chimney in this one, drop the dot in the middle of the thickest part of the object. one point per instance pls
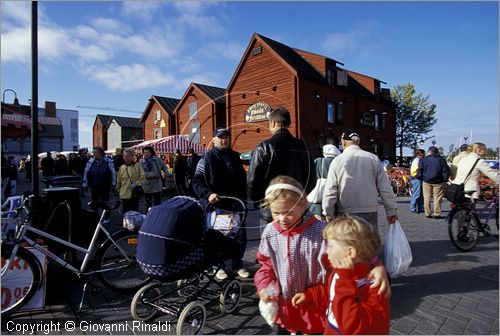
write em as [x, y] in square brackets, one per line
[50, 109]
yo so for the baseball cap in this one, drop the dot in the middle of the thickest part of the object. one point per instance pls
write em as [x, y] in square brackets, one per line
[349, 134]
[220, 131]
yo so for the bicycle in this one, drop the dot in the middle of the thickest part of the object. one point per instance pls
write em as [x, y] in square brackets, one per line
[464, 223]
[114, 262]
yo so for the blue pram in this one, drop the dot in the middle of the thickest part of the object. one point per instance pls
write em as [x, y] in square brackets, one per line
[177, 248]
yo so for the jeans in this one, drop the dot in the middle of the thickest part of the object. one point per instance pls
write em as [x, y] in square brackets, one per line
[417, 198]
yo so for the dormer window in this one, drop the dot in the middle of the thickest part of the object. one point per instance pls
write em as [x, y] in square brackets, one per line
[330, 76]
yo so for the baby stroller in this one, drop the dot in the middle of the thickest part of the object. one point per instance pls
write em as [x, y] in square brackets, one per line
[180, 248]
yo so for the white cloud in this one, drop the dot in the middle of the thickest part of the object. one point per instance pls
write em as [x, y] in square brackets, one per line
[141, 9]
[16, 11]
[110, 25]
[16, 45]
[129, 77]
[230, 50]
[191, 7]
[207, 26]
[359, 40]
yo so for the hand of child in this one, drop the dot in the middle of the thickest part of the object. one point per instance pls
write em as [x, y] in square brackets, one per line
[379, 276]
[344, 263]
[265, 297]
[298, 299]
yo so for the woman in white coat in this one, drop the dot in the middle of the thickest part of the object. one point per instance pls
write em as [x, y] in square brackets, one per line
[465, 165]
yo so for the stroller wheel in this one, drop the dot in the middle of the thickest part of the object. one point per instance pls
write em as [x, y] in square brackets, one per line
[185, 286]
[230, 296]
[192, 319]
[140, 308]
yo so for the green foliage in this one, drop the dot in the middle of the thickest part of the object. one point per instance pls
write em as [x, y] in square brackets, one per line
[492, 153]
[415, 116]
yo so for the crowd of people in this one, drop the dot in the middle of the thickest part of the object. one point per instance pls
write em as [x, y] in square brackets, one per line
[319, 245]
[430, 173]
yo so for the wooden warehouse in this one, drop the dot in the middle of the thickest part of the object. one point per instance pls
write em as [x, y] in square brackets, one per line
[323, 98]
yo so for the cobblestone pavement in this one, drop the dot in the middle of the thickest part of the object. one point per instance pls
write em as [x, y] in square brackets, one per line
[445, 291]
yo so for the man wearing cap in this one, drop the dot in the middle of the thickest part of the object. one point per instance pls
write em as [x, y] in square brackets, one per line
[281, 154]
[355, 180]
[220, 173]
[464, 151]
[322, 165]
[434, 173]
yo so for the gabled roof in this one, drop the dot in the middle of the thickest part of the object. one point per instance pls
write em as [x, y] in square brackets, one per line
[304, 69]
[213, 92]
[127, 122]
[167, 103]
[104, 119]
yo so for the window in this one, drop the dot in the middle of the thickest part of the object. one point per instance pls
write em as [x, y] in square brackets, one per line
[194, 132]
[193, 110]
[157, 115]
[74, 136]
[156, 133]
[383, 121]
[330, 111]
[340, 112]
[330, 76]
[74, 124]
[376, 120]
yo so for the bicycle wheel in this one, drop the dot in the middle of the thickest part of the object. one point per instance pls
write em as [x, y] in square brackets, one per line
[115, 271]
[463, 230]
[20, 279]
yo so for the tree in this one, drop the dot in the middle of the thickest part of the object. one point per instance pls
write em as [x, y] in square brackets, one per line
[415, 116]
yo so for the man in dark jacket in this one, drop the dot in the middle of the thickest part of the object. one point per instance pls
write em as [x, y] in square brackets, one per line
[281, 154]
[220, 173]
[179, 171]
[47, 165]
[192, 162]
[434, 172]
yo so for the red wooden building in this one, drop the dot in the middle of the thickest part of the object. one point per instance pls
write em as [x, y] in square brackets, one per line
[323, 98]
[201, 109]
[158, 118]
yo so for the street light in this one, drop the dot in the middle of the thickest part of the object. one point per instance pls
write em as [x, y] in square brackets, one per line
[16, 102]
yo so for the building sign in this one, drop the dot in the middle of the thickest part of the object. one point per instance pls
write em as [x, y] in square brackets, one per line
[257, 112]
[367, 119]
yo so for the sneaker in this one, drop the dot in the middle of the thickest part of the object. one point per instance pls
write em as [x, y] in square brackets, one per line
[221, 274]
[242, 272]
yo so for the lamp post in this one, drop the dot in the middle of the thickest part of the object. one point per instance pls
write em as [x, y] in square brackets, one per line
[16, 102]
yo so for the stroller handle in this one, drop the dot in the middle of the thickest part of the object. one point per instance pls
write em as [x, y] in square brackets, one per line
[244, 209]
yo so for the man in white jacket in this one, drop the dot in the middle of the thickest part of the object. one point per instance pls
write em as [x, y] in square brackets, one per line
[465, 165]
[355, 180]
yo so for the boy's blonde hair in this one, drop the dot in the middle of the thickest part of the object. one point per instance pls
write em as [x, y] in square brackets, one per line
[477, 146]
[284, 194]
[356, 232]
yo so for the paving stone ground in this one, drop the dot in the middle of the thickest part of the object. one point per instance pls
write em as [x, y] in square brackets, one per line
[445, 291]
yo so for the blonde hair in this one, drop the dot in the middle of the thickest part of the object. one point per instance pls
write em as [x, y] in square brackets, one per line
[356, 232]
[478, 146]
[284, 194]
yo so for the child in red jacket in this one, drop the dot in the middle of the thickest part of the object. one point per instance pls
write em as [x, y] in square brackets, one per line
[351, 306]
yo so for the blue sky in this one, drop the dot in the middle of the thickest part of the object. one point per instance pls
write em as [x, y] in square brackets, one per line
[118, 54]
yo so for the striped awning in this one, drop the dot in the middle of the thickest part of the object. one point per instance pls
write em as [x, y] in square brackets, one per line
[177, 142]
[170, 144]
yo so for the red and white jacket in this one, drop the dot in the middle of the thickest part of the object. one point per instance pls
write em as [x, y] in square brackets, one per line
[351, 306]
[296, 260]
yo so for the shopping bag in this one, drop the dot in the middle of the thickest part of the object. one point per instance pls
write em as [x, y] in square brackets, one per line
[397, 251]
[316, 195]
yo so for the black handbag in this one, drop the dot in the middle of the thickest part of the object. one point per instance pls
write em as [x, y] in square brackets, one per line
[455, 193]
[137, 191]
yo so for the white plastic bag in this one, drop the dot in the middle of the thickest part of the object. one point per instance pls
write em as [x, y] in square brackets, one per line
[397, 251]
[269, 310]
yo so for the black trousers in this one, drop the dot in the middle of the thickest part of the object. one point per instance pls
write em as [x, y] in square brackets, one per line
[152, 199]
[100, 193]
[130, 204]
